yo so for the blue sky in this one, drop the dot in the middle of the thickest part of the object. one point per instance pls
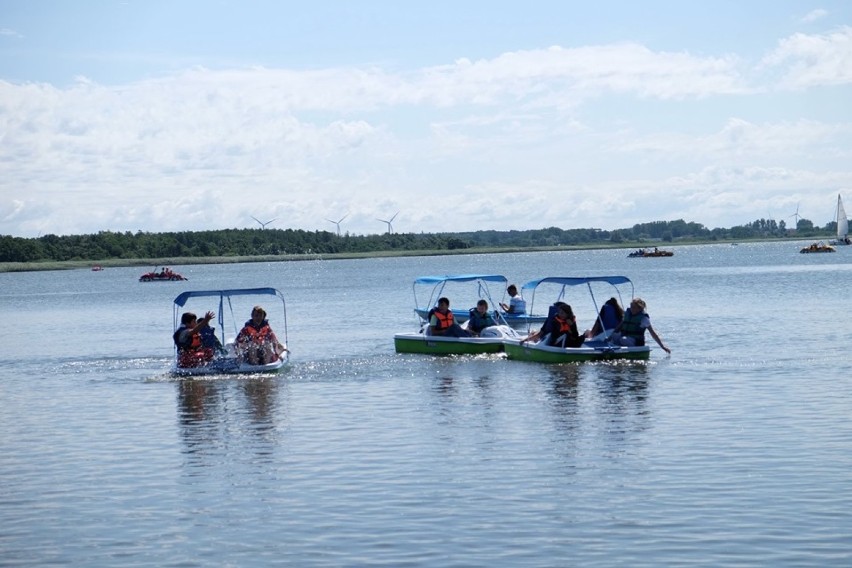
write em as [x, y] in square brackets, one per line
[191, 115]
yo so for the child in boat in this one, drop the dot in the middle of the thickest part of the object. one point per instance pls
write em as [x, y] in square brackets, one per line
[480, 318]
[187, 338]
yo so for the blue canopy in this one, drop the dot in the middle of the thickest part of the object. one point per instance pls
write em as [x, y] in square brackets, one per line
[182, 298]
[461, 278]
[576, 281]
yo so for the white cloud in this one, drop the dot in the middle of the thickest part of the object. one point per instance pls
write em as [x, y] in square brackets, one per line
[814, 15]
[522, 140]
[6, 32]
[814, 60]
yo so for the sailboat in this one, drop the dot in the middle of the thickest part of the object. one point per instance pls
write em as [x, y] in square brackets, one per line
[842, 225]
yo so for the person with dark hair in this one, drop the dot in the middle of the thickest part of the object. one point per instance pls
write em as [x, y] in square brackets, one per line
[256, 343]
[517, 305]
[442, 322]
[608, 318]
[187, 338]
[560, 328]
[480, 318]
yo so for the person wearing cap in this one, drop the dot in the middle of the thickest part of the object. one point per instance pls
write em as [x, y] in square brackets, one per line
[256, 342]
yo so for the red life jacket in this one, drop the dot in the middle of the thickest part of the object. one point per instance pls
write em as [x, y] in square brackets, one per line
[192, 354]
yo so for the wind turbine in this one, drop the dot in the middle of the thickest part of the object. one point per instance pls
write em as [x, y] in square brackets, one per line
[796, 216]
[390, 227]
[262, 224]
[338, 223]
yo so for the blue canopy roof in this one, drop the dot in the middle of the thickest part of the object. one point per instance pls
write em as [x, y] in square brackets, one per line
[576, 280]
[182, 298]
[461, 278]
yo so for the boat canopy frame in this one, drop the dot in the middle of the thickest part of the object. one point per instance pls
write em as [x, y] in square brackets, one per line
[529, 288]
[224, 297]
[439, 282]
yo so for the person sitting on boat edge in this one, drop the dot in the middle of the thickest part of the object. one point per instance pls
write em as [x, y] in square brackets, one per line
[608, 318]
[187, 338]
[256, 343]
[442, 323]
[631, 331]
[560, 328]
[480, 318]
[517, 305]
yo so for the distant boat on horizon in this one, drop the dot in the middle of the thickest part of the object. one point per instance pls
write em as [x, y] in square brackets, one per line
[842, 225]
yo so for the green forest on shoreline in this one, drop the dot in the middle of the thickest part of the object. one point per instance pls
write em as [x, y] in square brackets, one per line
[113, 249]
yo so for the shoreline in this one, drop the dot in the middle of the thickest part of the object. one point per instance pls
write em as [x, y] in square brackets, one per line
[187, 261]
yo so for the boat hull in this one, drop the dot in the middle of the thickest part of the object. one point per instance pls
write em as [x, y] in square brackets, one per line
[539, 353]
[228, 366]
[817, 249]
[415, 342]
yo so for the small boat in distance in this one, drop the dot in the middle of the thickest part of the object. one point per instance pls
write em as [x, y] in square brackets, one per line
[97, 268]
[165, 274]
[226, 358]
[646, 253]
[818, 247]
[842, 225]
[593, 349]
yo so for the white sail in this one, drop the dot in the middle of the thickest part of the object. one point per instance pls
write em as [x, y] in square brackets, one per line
[842, 223]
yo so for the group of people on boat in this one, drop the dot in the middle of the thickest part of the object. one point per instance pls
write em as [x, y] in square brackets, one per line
[197, 344]
[442, 322]
[613, 324]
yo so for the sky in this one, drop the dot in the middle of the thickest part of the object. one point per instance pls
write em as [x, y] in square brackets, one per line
[188, 115]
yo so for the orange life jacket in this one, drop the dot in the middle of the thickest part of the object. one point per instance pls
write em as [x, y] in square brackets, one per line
[564, 325]
[445, 321]
[250, 334]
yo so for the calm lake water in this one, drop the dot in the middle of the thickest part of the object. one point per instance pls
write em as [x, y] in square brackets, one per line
[735, 450]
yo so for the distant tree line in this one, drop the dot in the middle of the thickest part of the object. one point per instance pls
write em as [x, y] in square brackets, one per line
[252, 242]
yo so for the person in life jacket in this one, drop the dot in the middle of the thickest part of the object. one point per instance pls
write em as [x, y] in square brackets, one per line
[480, 318]
[209, 339]
[608, 318]
[256, 342]
[191, 351]
[560, 328]
[441, 321]
[631, 331]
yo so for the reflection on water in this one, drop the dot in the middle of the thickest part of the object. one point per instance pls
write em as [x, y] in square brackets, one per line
[733, 452]
[212, 411]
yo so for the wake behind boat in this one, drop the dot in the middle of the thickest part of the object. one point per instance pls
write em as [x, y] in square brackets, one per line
[226, 356]
[489, 340]
[597, 348]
